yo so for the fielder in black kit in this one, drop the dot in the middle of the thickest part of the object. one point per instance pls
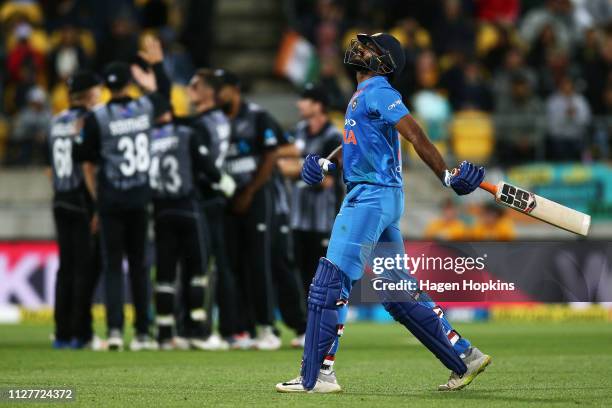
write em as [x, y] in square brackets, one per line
[115, 152]
[214, 126]
[250, 161]
[180, 160]
[73, 215]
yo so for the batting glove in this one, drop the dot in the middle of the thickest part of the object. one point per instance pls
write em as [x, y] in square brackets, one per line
[314, 168]
[464, 179]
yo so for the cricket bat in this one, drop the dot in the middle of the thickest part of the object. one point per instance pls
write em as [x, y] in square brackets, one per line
[539, 207]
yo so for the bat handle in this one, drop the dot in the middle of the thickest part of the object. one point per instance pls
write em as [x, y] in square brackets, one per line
[334, 153]
[490, 187]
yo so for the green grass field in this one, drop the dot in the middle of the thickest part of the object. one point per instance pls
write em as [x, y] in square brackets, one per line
[536, 364]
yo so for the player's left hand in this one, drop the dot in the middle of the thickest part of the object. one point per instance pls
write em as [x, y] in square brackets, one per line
[151, 51]
[464, 179]
[312, 170]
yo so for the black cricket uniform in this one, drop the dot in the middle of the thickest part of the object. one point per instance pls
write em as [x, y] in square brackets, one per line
[215, 129]
[72, 211]
[314, 208]
[116, 138]
[249, 235]
[178, 159]
[287, 282]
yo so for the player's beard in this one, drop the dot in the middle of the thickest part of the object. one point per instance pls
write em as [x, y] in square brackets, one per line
[226, 107]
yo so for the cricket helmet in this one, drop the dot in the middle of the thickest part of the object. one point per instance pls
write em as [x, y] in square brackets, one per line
[387, 54]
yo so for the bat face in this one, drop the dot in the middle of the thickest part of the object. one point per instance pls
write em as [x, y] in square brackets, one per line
[516, 198]
[542, 208]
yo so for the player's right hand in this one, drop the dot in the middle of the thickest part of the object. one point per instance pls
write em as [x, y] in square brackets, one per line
[312, 170]
[465, 179]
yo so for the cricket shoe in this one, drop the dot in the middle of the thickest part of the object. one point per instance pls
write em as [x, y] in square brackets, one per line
[115, 340]
[299, 341]
[326, 384]
[242, 341]
[267, 340]
[95, 344]
[174, 343]
[142, 342]
[476, 363]
[167, 345]
[211, 343]
[181, 343]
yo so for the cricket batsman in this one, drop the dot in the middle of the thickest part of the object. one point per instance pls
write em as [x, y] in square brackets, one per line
[370, 215]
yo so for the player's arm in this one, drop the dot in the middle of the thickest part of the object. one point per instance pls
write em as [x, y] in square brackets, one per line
[412, 132]
[289, 160]
[86, 151]
[155, 79]
[203, 163]
[463, 180]
[269, 134]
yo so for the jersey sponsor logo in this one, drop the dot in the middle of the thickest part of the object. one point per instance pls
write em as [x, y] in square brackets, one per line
[132, 125]
[270, 138]
[349, 137]
[243, 147]
[395, 104]
[350, 122]
[241, 165]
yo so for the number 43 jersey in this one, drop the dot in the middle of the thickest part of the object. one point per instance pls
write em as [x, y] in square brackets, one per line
[178, 157]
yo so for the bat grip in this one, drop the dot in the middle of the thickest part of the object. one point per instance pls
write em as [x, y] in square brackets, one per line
[490, 187]
[334, 153]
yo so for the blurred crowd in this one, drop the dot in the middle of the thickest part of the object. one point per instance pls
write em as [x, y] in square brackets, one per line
[505, 80]
[43, 42]
[509, 80]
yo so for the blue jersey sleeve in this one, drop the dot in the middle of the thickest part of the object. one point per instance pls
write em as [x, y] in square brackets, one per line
[387, 104]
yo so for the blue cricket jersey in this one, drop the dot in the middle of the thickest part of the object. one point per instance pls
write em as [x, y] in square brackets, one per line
[371, 146]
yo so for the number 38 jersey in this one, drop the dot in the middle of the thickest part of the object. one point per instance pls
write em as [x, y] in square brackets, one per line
[116, 137]
[65, 128]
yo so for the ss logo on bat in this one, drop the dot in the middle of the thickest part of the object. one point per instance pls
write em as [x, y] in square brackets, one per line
[515, 197]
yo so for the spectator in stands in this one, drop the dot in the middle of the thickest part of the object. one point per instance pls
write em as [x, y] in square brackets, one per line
[602, 132]
[449, 226]
[518, 115]
[514, 64]
[505, 11]
[429, 104]
[493, 225]
[568, 116]
[476, 93]
[539, 48]
[554, 19]
[67, 56]
[558, 65]
[453, 30]
[123, 42]
[466, 85]
[494, 55]
[25, 65]
[599, 72]
[30, 129]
